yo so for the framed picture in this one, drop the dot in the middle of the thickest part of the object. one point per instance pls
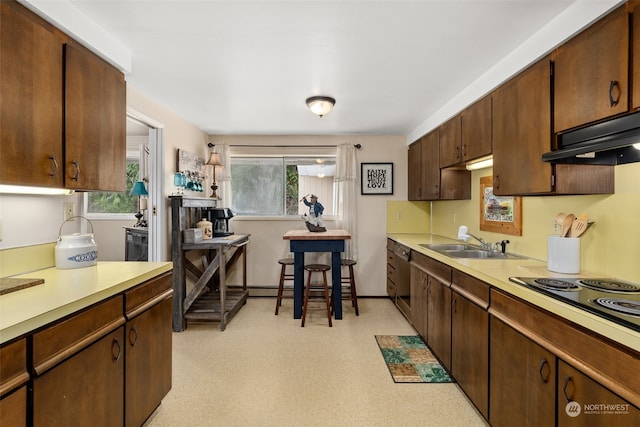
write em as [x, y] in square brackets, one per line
[376, 178]
[499, 214]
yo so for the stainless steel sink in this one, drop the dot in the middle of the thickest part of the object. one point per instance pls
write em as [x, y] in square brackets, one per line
[468, 251]
[449, 247]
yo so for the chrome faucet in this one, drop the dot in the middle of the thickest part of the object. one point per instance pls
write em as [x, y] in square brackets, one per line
[485, 245]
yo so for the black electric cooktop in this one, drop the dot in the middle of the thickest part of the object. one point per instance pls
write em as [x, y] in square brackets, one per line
[613, 299]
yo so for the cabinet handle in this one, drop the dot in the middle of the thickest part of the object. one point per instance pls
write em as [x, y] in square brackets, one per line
[567, 380]
[543, 377]
[116, 349]
[613, 85]
[55, 166]
[133, 336]
[454, 304]
[77, 166]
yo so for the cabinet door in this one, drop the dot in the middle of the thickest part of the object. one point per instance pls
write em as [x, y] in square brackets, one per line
[450, 142]
[414, 168]
[475, 121]
[13, 408]
[31, 92]
[85, 390]
[95, 122]
[430, 159]
[591, 73]
[522, 132]
[439, 320]
[584, 402]
[470, 350]
[522, 380]
[419, 301]
[148, 361]
[635, 69]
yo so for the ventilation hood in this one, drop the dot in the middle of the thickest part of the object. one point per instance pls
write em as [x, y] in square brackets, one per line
[607, 143]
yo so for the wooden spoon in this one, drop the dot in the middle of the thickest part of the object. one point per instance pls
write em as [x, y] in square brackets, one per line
[559, 220]
[566, 224]
[580, 225]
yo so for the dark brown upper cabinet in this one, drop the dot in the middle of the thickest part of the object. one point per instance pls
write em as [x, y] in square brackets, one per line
[450, 142]
[592, 73]
[424, 168]
[476, 130]
[635, 68]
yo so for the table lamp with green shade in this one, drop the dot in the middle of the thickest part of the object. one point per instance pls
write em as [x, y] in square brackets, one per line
[139, 190]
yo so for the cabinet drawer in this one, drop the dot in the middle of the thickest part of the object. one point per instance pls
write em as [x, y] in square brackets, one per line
[435, 268]
[391, 273]
[147, 294]
[65, 338]
[474, 289]
[391, 288]
[13, 366]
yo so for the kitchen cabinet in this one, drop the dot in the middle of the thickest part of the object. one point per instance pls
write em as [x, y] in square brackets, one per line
[424, 168]
[605, 363]
[597, 405]
[63, 109]
[13, 383]
[467, 136]
[591, 73]
[450, 134]
[105, 365]
[476, 130]
[522, 133]
[522, 379]
[635, 54]
[391, 270]
[31, 111]
[148, 337]
[470, 338]
[95, 122]
[79, 367]
[427, 181]
[419, 282]
[438, 304]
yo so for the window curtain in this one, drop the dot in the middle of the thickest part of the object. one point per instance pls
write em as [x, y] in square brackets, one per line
[346, 186]
[223, 175]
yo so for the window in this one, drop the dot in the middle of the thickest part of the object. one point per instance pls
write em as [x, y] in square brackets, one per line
[115, 204]
[274, 185]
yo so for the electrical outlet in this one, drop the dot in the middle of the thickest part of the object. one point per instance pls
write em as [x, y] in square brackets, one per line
[452, 215]
[69, 210]
[399, 215]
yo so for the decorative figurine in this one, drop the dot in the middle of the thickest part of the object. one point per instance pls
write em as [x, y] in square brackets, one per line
[314, 220]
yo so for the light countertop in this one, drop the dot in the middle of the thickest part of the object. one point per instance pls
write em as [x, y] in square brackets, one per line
[67, 291]
[496, 272]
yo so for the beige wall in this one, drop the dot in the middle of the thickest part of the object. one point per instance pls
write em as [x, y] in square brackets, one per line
[267, 246]
[610, 247]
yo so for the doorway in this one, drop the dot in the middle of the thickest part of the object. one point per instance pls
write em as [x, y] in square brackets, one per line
[146, 133]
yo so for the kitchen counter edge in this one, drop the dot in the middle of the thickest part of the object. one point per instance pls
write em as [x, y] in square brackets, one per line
[497, 272]
[67, 291]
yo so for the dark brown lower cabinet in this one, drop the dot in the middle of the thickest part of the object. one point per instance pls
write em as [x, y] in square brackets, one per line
[522, 379]
[13, 408]
[470, 350]
[148, 364]
[419, 281]
[439, 320]
[584, 402]
[84, 390]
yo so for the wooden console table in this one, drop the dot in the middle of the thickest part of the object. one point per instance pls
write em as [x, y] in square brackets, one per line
[205, 301]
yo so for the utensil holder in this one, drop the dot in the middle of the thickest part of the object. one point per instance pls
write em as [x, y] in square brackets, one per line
[563, 254]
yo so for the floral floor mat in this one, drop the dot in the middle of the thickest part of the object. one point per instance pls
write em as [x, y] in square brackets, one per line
[410, 361]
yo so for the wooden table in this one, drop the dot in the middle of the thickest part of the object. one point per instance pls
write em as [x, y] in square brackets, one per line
[301, 241]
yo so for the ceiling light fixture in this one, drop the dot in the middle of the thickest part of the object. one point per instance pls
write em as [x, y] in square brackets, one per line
[320, 105]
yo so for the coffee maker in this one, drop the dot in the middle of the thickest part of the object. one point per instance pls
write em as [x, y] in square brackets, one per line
[220, 217]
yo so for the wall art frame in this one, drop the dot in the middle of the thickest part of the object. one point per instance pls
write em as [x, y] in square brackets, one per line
[376, 178]
[499, 214]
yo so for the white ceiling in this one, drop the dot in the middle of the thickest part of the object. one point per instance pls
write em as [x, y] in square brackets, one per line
[239, 67]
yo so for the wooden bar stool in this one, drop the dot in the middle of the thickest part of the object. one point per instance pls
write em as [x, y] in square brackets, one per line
[324, 287]
[284, 262]
[349, 291]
